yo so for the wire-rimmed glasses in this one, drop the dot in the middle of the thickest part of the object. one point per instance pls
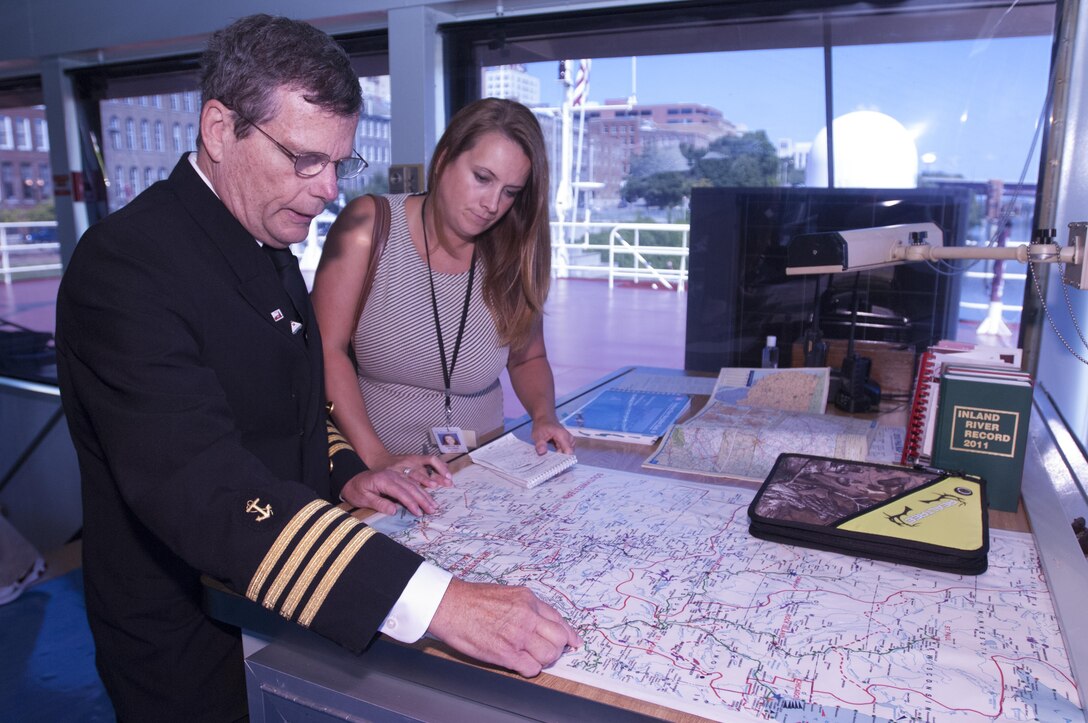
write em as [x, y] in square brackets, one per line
[308, 165]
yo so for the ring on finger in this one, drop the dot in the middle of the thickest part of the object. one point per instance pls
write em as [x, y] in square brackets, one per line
[406, 471]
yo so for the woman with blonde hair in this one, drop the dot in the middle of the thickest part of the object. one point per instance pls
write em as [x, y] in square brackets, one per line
[457, 295]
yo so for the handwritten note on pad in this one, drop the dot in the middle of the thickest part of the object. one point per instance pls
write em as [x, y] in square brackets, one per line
[519, 463]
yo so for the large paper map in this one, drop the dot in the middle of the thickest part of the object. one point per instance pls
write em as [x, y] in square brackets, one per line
[794, 390]
[678, 605]
[730, 441]
[752, 415]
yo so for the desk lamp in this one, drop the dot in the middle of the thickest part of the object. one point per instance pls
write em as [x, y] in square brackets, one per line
[872, 248]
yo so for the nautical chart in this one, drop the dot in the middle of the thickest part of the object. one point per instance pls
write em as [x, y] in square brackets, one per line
[730, 441]
[753, 415]
[797, 390]
[678, 605]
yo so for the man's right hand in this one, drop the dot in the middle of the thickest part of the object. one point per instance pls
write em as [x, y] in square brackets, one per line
[504, 625]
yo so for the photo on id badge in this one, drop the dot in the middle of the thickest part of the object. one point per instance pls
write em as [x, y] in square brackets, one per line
[450, 439]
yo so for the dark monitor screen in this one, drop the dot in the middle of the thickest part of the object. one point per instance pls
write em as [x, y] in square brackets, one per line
[739, 292]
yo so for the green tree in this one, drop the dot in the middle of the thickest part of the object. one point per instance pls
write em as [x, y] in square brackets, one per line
[44, 211]
[746, 160]
[794, 176]
[692, 153]
[663, 190]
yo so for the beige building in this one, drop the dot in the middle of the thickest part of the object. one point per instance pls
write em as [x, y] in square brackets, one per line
[616, 133]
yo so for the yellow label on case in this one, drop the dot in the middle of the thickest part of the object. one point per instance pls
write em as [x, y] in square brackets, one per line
[948, 513]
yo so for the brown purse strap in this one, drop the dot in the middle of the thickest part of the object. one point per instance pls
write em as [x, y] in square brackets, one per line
[378, 237]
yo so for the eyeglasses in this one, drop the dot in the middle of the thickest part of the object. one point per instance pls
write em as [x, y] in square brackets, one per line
[308, 165]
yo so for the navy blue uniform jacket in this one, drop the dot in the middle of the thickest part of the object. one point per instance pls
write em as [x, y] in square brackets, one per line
[200, 427]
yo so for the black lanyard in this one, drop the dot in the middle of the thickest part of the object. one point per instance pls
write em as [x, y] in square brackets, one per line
[447, 369]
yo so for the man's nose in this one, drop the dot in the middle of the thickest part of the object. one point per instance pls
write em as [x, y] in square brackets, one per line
[326, 183]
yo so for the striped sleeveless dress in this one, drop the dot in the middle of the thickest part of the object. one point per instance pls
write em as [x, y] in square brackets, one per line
[396, 345]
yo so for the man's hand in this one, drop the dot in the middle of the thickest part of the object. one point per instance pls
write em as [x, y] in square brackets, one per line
[507, 626]
[377, 489]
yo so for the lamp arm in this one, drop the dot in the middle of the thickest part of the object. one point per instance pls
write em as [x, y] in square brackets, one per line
[1035, 253]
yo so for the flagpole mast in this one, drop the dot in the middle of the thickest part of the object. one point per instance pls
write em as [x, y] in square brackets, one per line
[563, 194]
[581, 93]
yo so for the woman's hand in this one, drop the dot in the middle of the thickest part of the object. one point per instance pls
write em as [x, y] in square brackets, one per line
[550, 430]
[426, 470]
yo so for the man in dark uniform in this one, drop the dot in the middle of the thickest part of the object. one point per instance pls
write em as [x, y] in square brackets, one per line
[193, 387]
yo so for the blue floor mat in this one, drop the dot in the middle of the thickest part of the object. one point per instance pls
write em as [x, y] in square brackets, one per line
[47, 668]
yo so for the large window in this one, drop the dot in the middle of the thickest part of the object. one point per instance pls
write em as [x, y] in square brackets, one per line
[23, 140]
[640, 106]
[30, 262]
[7, 180]
[151, 113]
[371, 139]
[41, 134]
[114, 131]
[155, 115]
[25, 182]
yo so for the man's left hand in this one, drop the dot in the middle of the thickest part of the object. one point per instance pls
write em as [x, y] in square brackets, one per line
[377, 489]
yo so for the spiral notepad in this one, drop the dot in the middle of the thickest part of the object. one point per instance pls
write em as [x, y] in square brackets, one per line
[918, 448]
[919, 438]
[519, 463]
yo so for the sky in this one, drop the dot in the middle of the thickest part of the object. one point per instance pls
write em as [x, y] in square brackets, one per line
[972, 105]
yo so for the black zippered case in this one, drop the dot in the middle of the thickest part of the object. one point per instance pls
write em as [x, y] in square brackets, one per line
[911, 516]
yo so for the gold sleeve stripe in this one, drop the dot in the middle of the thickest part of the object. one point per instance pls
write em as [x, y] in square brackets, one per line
[298, 554]
[317, 562]
[284, 538]
[338, 447]
[332, 575]
[332, 429]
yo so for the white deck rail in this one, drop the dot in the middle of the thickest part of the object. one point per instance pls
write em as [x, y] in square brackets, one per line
[20, 256]
[578, 250]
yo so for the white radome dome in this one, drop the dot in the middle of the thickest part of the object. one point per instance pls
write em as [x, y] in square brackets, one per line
[872, 150]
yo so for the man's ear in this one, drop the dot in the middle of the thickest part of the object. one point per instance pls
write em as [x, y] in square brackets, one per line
[216, 128]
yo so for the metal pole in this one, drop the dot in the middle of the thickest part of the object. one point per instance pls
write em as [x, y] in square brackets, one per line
[1032, 318]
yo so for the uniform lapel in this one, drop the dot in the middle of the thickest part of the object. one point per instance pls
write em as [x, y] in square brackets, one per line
[258, 282]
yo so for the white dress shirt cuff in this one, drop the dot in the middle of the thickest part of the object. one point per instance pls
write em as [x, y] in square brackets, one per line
[413, 611]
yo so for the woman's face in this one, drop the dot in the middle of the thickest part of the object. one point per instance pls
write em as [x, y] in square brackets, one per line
[478, 187]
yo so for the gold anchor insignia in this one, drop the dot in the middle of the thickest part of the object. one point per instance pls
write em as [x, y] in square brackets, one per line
[263, 513]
